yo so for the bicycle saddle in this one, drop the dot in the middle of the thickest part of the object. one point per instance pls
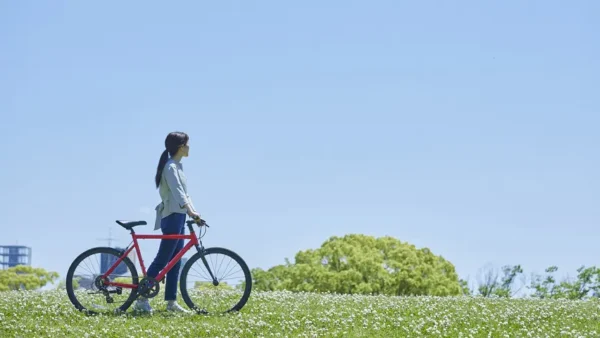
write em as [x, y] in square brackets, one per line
[130, 224]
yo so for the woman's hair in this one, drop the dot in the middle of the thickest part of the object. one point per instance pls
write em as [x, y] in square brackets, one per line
[172, 143]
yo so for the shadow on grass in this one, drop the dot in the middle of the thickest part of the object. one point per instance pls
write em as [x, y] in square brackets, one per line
[160, 313]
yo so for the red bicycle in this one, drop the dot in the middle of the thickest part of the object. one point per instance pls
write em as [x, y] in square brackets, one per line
[116, 285]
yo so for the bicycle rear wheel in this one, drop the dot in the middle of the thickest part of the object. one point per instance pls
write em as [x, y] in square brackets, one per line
[86, 288]
[228, 291]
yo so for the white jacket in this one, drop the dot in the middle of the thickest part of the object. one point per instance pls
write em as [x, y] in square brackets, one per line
[173, 192]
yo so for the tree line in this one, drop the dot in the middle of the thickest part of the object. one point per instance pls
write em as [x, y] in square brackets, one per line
[360, 264]
[512, 281]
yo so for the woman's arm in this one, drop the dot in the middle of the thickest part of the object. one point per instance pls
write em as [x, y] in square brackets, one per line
[191, 211]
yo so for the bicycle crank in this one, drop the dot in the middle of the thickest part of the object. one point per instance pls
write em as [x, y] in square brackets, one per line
[148, 287]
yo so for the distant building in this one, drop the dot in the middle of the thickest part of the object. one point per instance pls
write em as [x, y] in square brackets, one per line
[183, 261]
[106, 261]
[13, 255]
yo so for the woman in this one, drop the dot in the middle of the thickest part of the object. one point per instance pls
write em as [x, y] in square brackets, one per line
[170, 216]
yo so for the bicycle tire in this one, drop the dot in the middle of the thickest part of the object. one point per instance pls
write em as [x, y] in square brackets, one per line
[247, 278]
[101, 250]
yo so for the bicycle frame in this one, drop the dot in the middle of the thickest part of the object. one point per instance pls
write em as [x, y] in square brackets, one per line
[193, 241]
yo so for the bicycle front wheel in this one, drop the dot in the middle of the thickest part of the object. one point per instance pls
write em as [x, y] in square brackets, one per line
[215, 281]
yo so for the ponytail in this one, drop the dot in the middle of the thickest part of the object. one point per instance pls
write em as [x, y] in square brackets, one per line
[161, 164]
[172, 143]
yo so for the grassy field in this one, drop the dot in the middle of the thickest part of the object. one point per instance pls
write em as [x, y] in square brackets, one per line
[283, 314]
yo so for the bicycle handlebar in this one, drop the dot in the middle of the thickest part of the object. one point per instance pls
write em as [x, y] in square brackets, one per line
[198, 221]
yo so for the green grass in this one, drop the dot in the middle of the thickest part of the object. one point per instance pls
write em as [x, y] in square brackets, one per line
[284, 314]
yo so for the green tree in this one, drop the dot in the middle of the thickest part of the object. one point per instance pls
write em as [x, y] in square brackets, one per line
[587, 284]
[24, 277]
[124, 280]
[507, 282]
[464, 287]
[360, 264]
[490, 285]
[62, 285]
[274, 279]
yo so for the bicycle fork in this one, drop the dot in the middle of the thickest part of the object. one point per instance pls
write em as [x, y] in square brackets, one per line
[201, 250]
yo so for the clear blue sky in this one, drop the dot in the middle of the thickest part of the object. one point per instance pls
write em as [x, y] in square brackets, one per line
[467, 127]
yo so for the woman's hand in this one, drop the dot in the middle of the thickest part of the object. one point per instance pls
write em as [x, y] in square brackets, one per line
[192, 213]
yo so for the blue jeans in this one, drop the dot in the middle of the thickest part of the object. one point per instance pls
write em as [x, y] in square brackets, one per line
[174, 224]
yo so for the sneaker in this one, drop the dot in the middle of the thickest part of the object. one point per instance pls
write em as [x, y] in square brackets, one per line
[142, 305]
[173, 306]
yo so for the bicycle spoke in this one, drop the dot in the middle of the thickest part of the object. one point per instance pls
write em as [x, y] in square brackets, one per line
[86, 287]
[229, 274]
